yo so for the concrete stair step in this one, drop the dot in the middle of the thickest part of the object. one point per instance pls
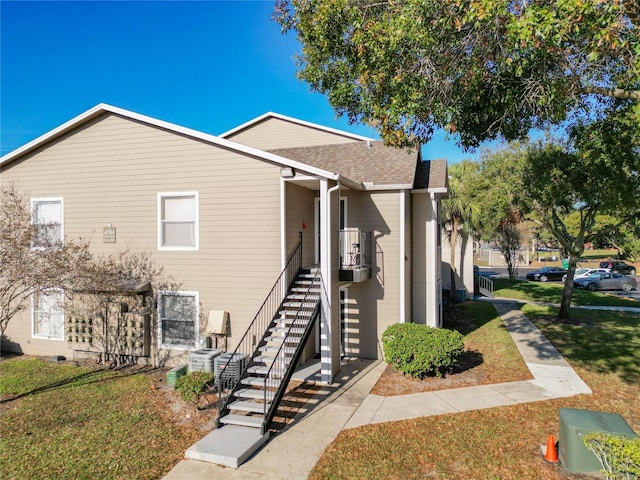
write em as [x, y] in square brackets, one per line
[242, 420]
[253, 394]
[254, 407]
[229, 445]
[292, 330]
[288, 351]
[280, 339]
[261, 382]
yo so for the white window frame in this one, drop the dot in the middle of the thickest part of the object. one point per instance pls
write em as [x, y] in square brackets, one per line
[196, 320]
[35, 201]
[196, 226]
[35, 312]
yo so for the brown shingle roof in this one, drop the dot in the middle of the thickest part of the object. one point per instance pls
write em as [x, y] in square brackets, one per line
[373, 162]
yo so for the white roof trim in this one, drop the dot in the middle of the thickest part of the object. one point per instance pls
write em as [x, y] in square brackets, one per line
[391, 186]
[297, 121]
[430, 190]
[104, 108]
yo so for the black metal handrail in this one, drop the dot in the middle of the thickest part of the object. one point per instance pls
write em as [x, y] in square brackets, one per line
[236, 365]
[286, 359]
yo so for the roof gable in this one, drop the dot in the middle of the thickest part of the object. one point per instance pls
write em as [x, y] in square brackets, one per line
[103, 109]
[273, 121]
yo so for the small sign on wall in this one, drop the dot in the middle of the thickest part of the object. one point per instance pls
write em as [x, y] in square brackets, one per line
[109, 234]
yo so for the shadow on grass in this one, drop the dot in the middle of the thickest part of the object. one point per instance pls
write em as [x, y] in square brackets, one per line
[101, 375]
[606, 342]
[552, 293]
[603, 342]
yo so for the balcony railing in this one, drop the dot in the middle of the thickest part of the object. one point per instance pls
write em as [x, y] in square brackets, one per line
[355, 255]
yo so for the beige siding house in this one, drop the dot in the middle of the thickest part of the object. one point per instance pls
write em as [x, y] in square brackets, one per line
[222, 214]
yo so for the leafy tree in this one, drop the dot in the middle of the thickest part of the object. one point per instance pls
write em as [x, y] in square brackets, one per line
[496, 189]
[478, 68]
[597, 173]
[31, 261]
[458, 211]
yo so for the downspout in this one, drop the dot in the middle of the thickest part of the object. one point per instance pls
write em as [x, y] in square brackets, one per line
[327, 307]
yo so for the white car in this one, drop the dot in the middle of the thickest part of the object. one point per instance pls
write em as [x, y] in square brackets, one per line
[587, 272]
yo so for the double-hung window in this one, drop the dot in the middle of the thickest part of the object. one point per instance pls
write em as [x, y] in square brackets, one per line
[178, 221]
[178, 314]
[47, 220]
[48, 314]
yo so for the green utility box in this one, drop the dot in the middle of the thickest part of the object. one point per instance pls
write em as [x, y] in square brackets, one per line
[174, 374]
[575, 424]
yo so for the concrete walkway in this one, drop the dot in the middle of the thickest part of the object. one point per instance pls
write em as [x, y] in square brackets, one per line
[293, 452]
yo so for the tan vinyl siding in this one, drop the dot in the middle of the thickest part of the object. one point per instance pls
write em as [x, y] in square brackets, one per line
[274, 133]
[375, 304]
[111, 173]
[300, 210]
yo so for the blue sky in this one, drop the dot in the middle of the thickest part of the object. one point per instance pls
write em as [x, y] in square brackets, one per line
[206, 65]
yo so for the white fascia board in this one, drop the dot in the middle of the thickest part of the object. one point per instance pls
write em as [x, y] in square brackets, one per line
[294, 120]
[398, 186]
[430, 190]
[51, 134]
[221, 142]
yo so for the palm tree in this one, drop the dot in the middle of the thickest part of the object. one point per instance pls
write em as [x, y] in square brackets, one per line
[458, 209]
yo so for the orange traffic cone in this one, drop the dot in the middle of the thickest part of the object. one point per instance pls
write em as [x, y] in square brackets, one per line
[551, 455]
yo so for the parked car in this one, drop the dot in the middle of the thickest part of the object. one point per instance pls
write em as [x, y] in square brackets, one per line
[547, 273]
[618, 266]
[586, 272]
[606, 281]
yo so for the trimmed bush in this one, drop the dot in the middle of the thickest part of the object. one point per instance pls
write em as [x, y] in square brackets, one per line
[419, 351]
[619, 456]
[190, 386]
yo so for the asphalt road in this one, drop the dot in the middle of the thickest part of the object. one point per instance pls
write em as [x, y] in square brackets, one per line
[522, 272]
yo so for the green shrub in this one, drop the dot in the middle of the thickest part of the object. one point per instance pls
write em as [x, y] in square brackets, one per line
[619, 456]
[190, 386]
[419, 350]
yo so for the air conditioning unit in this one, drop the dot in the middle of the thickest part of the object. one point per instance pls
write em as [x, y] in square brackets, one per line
[203, 360]
[229, 366]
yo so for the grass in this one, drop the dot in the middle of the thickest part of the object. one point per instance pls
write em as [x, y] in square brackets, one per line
[502, 442]
[67, 422]
[552, 293]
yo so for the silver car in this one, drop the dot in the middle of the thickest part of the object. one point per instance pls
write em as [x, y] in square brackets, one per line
[586, 272]
[606, 281]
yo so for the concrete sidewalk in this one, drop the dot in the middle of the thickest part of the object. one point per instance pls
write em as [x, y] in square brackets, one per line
[293, 452]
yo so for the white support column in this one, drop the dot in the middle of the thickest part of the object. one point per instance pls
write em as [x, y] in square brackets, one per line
[283, 223]
[433, 303]
[325, 296]
[403, 255]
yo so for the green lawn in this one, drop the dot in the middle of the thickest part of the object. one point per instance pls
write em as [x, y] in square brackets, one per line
[61, 421]
[552, 293]
[504, 442]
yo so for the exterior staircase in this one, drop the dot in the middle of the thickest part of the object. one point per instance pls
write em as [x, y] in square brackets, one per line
[252, 380]
[251, 400]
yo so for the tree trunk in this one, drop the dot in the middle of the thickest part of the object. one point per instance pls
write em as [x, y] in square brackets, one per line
[567, 292]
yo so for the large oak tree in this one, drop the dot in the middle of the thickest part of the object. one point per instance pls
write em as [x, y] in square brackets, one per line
[478, 68]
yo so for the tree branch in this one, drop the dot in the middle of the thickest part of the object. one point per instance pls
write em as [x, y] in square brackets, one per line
[612, 92]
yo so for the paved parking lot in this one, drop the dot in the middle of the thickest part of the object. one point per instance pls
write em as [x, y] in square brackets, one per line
[522, 273]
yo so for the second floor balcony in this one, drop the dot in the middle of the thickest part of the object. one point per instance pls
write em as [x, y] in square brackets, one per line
[355, 255]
